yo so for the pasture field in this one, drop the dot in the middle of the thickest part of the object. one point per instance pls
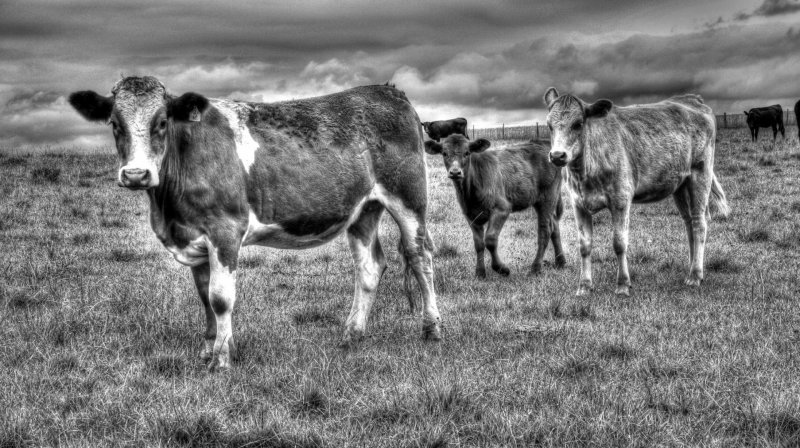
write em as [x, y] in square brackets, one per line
[101, 327]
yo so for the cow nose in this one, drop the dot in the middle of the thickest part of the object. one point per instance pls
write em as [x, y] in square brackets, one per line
[558, 158]
[455, 173]
[135, 178]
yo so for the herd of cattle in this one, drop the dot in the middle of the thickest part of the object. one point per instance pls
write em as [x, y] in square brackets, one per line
[222, 174]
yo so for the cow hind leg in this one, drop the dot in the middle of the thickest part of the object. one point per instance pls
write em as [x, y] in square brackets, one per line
[202, 275]
[543, 231]
[417, 254]
[370, 264]
[699, 189]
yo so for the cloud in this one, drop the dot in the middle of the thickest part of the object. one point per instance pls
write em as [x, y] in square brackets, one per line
[771, 8]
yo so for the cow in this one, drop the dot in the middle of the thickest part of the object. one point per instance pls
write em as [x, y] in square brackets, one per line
[222, 174]
[438, 130]
[490, 185]
[765, 117]
[796, 117]
[616, 156]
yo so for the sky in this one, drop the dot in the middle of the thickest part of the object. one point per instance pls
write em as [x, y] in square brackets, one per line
[487, 60]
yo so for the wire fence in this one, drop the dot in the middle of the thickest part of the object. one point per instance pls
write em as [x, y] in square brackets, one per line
[540, 130]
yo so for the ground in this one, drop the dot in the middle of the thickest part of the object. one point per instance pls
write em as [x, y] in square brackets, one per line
[101, 327]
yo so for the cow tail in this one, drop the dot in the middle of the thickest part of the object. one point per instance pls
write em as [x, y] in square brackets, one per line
[717, 201]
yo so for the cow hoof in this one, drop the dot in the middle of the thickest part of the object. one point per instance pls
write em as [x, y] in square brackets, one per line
[352, 337]
[536, 269]
[692, 281]
[219, 365]
[480, 273]
[502, 270]
[561, 262]
[623, 290]
[431, 332]
[583, 290]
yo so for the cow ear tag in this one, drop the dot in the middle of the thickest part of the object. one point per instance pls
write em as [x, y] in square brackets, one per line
[194, 115]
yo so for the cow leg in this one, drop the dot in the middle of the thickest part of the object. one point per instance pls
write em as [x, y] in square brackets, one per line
[417, 253]
[774, 132]
[202, 275]
[584, 220]
[543, 231]
[620, 218]
[683, 202]
[222, 257]
[555, 237]
[370, 264]
[700, 188]
[755, 134]
[492, 239]
[480, 246]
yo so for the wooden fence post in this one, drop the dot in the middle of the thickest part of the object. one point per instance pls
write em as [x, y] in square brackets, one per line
[724, 119]
[504, 132]
[537, 130]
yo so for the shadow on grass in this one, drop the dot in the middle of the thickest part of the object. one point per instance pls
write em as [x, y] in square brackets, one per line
[206, 431]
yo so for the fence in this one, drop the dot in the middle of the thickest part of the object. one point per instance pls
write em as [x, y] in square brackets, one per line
[540, 130]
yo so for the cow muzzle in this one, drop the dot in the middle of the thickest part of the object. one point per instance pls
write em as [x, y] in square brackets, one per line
[136, 179]
[455, 173]
[558, 158]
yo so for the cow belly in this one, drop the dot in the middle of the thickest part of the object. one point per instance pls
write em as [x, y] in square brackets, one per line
[287, 236]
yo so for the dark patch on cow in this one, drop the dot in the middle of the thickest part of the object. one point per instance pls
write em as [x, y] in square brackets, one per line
[438, 130]
[797, 117]
[765, 117]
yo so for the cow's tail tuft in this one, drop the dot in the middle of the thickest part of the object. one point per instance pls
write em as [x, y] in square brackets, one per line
[717, 201]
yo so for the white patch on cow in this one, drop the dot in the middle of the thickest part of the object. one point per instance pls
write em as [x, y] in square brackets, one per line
[194, 254]
[246, 146]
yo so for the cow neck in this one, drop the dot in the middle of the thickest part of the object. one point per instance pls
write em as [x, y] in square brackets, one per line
[480, 182]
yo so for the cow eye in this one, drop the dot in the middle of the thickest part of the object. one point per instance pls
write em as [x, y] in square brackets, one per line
[577, 126]
[162, 124]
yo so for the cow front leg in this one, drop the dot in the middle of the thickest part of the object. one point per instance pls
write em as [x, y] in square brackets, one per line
[492, 239]
[620, 217]
[584, 221]
[202, 276]
[222, 257]
[480, 246]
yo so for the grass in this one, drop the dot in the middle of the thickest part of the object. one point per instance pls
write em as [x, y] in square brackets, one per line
[102, 328]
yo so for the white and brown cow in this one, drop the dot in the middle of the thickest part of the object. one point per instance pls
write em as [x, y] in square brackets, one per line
[644, 153]
[223, 174]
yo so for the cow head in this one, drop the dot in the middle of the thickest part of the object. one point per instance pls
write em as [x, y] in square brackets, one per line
[566, 118]
[138, 111]
[750, 119]
[455, 151]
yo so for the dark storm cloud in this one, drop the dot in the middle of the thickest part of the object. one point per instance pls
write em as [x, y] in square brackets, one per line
[772, 8]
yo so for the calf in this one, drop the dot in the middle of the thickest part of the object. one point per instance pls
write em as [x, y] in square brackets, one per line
[644, 153]
[490, 185]
[766, 117]
[224, 174]
[440, 129]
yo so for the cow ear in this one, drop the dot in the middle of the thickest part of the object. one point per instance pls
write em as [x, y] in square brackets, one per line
[432, 147]
[92, 106]
[549, 96]
[745, 112]
[187, 107]
[479, 145]
[598, 109]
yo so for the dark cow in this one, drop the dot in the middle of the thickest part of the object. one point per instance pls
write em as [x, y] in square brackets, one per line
[797, 117]
[645, 153]
[766, 117]
[490, 185]
[440, 129]
[223, 174]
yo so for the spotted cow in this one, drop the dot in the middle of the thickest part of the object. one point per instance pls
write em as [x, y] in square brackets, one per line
[222, 174]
